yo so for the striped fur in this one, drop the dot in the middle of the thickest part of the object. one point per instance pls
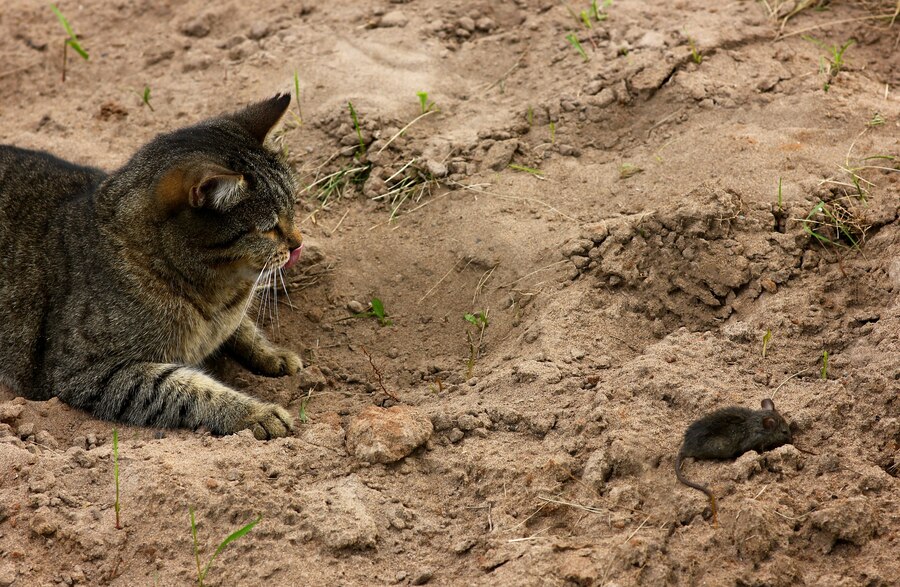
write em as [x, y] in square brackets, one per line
[115, 287]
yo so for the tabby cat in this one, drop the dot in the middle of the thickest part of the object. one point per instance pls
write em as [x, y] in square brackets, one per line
[115, 287]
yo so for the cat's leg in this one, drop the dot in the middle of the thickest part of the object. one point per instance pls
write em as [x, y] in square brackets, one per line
[174, 396]
[254, 351]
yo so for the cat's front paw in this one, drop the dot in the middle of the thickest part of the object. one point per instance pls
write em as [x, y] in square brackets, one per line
[268, 421]
[277, 363]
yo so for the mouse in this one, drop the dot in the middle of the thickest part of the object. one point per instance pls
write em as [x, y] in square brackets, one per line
[728, 433]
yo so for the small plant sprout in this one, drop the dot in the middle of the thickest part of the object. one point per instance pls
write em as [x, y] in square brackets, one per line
[424, 104]
[145, 98]
[480, 321]
[598, 14]
[573, 40]
[529, 116]
[535, 172]
[586, 19]
[362, 143]
[877, 120]
[299, 114]
[552, 132]
[71, 41]
[627, 170]
[835, 58]
[835, 218]
[203, 571]
[376, 312]
[766, 338]
[303, 416]
[116, 474]
[824, 372]
[696, 56]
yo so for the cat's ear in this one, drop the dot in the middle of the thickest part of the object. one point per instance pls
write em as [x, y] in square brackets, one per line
[203, 185]
[258, 119]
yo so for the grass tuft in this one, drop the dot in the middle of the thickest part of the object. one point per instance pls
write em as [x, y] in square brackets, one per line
[573, 40]
[355, 118]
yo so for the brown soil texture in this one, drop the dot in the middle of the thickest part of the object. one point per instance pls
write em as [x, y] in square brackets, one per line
[628, 289]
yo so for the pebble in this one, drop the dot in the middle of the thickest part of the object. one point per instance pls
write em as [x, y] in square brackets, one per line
[356, 307]
[394, 18]
[467, 24]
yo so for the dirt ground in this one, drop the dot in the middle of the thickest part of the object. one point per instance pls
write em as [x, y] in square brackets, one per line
[628, 286]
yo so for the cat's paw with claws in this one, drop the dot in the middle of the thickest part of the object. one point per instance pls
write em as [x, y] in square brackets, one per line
[268, 421]
[277, 363]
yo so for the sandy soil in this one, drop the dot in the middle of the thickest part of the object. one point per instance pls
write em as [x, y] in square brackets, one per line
[628, 291]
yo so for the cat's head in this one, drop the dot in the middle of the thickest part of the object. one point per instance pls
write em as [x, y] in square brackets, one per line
[222, 202]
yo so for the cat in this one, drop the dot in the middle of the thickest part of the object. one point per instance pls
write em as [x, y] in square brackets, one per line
[115, 287]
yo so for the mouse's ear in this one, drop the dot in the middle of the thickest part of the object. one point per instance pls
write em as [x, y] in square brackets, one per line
[769, 423]
[768, 404]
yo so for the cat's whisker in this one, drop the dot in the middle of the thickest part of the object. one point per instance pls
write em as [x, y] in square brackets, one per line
[252, 295]
[284, 287]
[275, 299]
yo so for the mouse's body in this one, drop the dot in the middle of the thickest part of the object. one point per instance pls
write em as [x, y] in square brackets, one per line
[728, 433]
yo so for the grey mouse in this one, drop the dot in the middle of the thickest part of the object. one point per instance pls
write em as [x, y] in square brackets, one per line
[728, 433]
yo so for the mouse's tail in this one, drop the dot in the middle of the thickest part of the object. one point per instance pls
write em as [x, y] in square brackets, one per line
[712, 498]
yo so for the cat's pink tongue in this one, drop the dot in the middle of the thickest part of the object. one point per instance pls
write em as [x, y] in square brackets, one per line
[295, 254]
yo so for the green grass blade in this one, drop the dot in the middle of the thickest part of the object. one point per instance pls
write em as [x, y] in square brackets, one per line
[196, 546]
[531, 170]
[378, 308]
[62, 20]
[73, 40]
[74, 45]
[231, 538]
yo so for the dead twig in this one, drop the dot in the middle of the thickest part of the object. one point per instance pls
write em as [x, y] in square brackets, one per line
[378, 375]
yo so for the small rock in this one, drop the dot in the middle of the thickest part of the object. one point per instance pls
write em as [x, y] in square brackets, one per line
[500, 154]
[467, 422]
[10, 412]
[311, 378]
[41, 481]
[436, 168]
[374, 187]
[485, 24]
[768, 285]
[356, 307]
[466, 24]
[25, 430]
[455, 435]
[394, 18]
[423, 577]
[198, 27]
[42, 523]
[378, 435]
[44, 438]
[259, 30]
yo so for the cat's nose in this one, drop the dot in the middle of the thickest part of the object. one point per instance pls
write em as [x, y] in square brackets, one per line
[295, 255]
[294, 239]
